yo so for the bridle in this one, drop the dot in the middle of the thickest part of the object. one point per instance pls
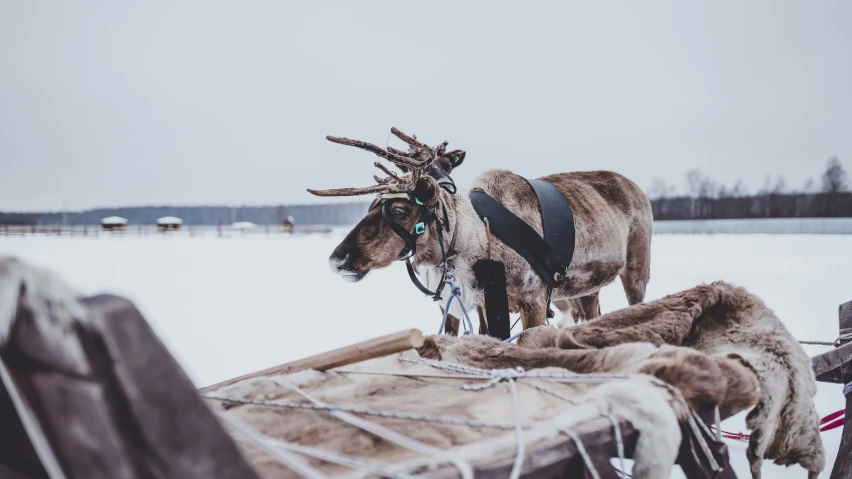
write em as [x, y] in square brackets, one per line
[419, 160]
[409, 238]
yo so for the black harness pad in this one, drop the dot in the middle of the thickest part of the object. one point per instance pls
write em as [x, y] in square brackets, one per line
[558, 219]
[550, 256]
[491, 279]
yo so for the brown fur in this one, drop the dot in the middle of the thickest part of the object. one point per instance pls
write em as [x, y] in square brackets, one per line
[613, 223]
[704, 382]
[724, 321]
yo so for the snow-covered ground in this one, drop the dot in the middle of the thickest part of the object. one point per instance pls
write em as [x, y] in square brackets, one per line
[229, 306]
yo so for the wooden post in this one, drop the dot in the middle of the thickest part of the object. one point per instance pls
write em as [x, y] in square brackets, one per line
[370, 349]
[843, 463]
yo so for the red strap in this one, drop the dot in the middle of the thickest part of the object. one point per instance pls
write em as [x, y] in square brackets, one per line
[832, 421]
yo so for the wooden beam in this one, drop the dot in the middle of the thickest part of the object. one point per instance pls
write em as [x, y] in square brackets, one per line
[843, 464]
[827, 365]
[355, 353]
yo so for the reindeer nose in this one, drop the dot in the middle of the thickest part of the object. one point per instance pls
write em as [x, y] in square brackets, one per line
[338, 262]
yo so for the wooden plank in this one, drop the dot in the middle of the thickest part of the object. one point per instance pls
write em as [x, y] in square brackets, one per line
[104, 398]
[355, 353]
[843, 464]
[561, 459]
[182, 437]
[827, 365]
[17, 455]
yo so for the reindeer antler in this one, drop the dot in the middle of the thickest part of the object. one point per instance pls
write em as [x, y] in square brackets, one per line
[394, 183]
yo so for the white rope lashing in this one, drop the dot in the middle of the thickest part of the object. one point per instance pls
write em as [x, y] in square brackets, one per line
[333, 458]
[366, 412]
[284, 451]
[582, 451]
[463, 466]
[285, 457]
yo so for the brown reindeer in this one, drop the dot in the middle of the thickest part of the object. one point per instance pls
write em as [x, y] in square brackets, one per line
[612, 218]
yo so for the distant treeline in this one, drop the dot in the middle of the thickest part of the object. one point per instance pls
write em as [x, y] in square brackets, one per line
[322, 214]
[795, 205]
[703, 199]
[706, 199]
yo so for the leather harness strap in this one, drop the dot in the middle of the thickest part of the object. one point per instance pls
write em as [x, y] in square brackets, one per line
[558, 221]
[550, 256]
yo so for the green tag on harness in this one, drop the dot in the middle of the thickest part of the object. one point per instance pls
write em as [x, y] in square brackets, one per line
[416, 200]
[420, 228]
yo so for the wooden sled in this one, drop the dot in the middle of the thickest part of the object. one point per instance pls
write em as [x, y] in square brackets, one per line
[89, 391]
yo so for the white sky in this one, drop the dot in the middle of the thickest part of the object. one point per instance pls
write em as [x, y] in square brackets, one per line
[107, 103]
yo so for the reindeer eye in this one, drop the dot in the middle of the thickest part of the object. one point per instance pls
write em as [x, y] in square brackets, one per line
[399, 212]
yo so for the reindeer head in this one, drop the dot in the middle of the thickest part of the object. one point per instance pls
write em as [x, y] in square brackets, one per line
[402, 215]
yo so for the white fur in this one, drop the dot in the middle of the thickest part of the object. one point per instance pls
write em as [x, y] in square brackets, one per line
[45, 293]
[464, 280]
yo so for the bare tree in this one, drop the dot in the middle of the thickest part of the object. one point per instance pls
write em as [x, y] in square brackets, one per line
[659, 189]
[834, 179]
[740, 189]
[700, 185]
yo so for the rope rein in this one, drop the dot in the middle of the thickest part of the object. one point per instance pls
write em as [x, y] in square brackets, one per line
[455, 293]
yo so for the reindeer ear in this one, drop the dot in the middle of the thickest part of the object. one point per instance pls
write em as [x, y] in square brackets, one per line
[426, 191]
[456, 157]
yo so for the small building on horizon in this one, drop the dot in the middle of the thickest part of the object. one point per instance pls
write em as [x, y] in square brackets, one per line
[114, 223]
[243, 225]
[169, 223]
[289, 223]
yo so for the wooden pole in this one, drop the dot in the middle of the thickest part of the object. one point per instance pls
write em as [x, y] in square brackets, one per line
[370, 349]
[843, 464]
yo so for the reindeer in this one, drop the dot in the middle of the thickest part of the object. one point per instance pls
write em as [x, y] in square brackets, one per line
[416, 218]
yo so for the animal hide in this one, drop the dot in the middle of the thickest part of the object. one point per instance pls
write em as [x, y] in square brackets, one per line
[652, 409]
[723, 321]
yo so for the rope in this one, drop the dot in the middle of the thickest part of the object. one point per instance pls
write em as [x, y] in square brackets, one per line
[519, 433]
[282, 451]
[333, 458]
[366, 412]
[511, 375]
[619, 442]
[284, 457]
[515, 336]
[836, 343]
[340, 459]
[463, 466]
[582, 450]
[817, 343]
[621, 473]
[455, 292]
[847, 389]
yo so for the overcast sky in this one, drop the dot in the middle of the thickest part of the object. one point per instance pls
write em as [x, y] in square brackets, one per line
[134, 103]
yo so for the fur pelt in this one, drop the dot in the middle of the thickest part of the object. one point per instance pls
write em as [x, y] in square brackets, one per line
[723, 321]
[703, 381]
[649, 408]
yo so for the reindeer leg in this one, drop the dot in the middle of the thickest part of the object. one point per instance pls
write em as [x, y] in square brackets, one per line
[451, 326]
[582, 309]
[533, 314]
[637, 271]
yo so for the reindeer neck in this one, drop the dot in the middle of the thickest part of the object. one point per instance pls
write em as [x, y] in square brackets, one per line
[465, 241]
